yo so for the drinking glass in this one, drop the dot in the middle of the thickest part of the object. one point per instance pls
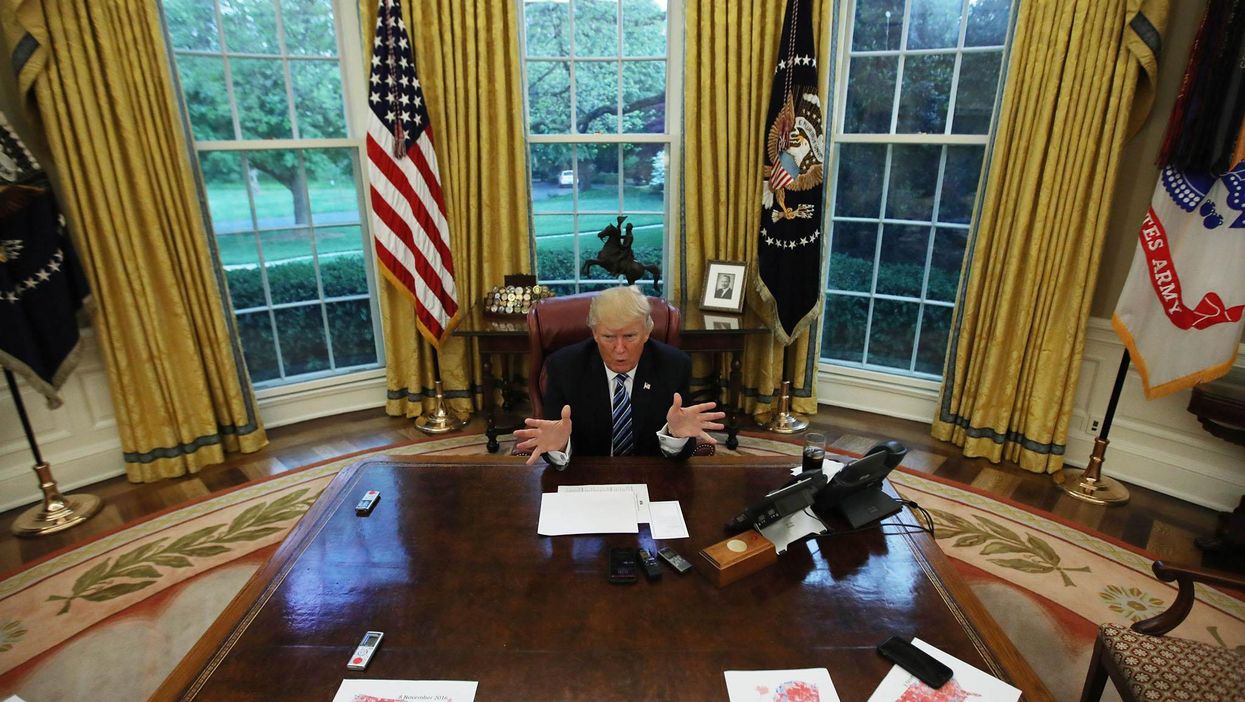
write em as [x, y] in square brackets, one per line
[814, 450]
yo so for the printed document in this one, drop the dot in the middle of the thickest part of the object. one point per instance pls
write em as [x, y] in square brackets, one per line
[768, 685]
[966, 682]
[406, 691]
[563, 513]
[639, 490]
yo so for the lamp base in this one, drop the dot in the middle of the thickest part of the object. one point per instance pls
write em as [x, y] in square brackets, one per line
[58, 515]
[1099, 491]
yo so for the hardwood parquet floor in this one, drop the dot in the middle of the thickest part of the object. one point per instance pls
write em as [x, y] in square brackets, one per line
[1161, 524]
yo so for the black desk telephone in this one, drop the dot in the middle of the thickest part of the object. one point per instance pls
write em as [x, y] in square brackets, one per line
[855, 492]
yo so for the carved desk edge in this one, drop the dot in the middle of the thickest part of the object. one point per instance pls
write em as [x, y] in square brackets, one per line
[1003, 659]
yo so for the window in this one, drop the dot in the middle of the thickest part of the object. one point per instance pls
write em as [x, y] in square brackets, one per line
[598, 129]
[918, 86]
[264, 96]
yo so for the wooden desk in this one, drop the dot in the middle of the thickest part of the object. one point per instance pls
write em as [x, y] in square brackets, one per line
[450, 567]
[699, 332]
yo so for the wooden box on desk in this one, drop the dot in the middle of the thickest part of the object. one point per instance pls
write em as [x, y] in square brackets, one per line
[731, 559]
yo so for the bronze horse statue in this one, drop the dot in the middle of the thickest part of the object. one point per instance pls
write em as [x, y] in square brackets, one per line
[616, 257]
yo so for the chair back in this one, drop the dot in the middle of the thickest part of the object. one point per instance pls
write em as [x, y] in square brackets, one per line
[560, 321]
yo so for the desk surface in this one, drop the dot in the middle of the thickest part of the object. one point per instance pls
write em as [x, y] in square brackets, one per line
[450, 567]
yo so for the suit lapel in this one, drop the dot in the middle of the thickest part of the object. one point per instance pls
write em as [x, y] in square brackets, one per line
[642, 410]
[597, 393]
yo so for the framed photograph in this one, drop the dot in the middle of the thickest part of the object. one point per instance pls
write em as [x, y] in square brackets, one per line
[724, 286]
[721, 321]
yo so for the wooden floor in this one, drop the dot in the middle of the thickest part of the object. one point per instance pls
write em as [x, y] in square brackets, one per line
[1162, 525]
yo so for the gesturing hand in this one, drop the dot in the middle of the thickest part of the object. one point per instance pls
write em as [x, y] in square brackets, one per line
[693, 420]
[545, 435]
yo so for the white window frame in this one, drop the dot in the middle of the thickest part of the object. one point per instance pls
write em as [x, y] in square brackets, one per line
[910, 377]
[674, 153]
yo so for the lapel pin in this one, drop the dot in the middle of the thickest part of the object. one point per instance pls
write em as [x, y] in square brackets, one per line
[648, 387]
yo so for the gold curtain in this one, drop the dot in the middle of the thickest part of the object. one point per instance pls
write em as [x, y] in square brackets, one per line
[1080, 80]
[103, 97]
[467, 61]
[731, 49]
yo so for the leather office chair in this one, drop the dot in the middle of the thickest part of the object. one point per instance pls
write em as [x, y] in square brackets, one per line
[1146, 665]
[559, 321]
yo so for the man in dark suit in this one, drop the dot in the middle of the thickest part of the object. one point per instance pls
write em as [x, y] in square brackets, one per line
[625, 391]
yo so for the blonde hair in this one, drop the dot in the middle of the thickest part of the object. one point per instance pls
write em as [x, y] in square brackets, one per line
[620, 306]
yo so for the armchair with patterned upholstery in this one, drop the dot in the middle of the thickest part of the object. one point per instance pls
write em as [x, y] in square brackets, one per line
[560, 321]
[1144, 664]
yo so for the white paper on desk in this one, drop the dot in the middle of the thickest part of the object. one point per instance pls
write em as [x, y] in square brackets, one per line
[640, 490]
[767, 685]
[406, 691]
[792, 528]
[667, 521]
[828, 467]
[563, 513]
[966, 682]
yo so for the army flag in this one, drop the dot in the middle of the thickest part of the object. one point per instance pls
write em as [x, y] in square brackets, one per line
[790, 243]
[1179, 313]
[412, 238]
[42, 289]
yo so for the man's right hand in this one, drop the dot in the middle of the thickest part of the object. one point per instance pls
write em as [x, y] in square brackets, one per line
[545, 435]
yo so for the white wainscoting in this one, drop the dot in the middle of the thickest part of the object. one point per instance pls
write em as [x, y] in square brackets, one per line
[1156, 444]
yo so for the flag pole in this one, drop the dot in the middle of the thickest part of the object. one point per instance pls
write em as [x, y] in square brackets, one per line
[1090, 484]
[783, 421]
[439, 421]
[57, 513]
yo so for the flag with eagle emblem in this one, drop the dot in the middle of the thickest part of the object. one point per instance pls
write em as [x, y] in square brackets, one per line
[790, 244]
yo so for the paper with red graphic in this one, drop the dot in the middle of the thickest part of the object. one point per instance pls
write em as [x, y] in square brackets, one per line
[802, 685]
[967, 684]
[1180, 312]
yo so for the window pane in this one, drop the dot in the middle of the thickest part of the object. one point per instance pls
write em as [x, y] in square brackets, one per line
[207, 103]
[598, 179]
[933, 24]
[878, 25]
[859, 192]
[853, 246]
[644, 28]
[935, 326]
[309, 29]
[892, 335]
[596, 97]
[926, 93]
[255, 331]
[240, 259]
[259, 90]
[342, 272]
[548, 28]
[331, 185]
[596, 27]
[318, 99]
[250, 26]
[192, 25]
[278, 188]
[870, 94]
[843, 337]
[301, 332]
[644, 97]
[548, 87]
[226, 191]
[555, 258]
[974, 99]
[914, 172]
[644, 177]
[902, 263]
[351, 325]
[291, 271]
[987, 22]
[944, 272]
[959, 183]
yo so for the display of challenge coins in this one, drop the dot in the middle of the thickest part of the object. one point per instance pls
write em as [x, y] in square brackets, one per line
[514, 300]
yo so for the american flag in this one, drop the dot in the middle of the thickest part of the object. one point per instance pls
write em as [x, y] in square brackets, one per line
[408, 210]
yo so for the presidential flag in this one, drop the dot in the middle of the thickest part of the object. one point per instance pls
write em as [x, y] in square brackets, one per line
[1179, 313]
[42, 289]
[411, 236]
[789, 248]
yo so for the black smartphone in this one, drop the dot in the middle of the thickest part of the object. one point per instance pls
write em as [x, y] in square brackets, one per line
[925, 667]
[624, 566]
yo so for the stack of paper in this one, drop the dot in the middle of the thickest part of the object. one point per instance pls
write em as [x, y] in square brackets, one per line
[608, 509]
[966, 682]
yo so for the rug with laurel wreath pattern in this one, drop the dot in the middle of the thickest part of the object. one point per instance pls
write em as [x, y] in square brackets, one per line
[109, 619]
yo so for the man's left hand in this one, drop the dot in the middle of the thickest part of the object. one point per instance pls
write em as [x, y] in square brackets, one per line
[693, 420]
